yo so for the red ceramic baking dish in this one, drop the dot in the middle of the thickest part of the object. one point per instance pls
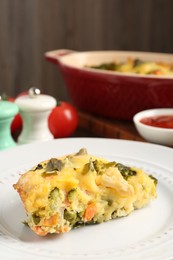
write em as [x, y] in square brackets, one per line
[112, 94]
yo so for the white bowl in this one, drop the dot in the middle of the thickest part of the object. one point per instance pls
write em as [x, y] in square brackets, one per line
[158, 135]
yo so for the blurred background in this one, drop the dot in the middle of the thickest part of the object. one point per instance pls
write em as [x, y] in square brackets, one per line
[29, 28]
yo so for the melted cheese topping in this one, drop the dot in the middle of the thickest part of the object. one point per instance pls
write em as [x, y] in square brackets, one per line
[62, 193]
[138, 66]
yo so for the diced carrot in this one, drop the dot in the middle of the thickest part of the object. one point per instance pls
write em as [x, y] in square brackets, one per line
[49, 177]
[67, 203]
[158, 72]
[38, 230]
[50, 221]
[90, 211]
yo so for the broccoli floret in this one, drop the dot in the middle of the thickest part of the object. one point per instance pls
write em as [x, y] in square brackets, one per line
[36, 219]
[72, 195]
[101, 167]
[88, 167]
[82, 151]
[38, 167]
[70, 216]
[154, 179]
[125, 171]
[54, 165]
[56, 195]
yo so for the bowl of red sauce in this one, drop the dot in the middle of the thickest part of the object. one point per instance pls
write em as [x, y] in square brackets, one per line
[155, 125]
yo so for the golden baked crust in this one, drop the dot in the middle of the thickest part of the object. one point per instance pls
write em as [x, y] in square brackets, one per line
[63, 193]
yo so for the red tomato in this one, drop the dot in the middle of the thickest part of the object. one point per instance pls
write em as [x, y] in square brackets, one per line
[16, 124]
[5, 97]
[11, 99]
[24, 93]
[63, 120]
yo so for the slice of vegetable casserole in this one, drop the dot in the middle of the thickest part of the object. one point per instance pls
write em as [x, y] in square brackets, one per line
[78, 189]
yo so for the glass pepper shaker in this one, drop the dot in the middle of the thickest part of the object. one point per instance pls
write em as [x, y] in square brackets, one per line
[8, 110]
[35, 109]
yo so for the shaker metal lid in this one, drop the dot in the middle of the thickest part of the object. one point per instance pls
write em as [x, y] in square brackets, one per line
[8, 109]
[35, 102]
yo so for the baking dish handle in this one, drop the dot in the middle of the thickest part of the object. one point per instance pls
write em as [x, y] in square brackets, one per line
[54, 56]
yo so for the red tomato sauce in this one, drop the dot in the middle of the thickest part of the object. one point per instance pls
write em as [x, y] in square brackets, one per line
[164, 121]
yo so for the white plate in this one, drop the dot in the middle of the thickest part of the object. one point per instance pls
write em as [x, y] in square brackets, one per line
[145, 234]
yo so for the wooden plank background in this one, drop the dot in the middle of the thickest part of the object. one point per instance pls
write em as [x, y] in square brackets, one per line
[28, 28]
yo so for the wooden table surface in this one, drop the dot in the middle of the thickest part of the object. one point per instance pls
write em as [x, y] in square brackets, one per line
[96, 126]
